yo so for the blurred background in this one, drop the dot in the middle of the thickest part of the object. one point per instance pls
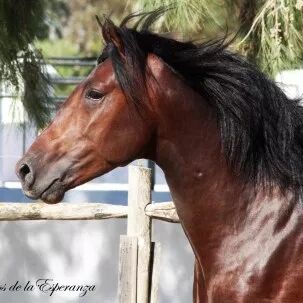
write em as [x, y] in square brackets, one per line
[46, 48]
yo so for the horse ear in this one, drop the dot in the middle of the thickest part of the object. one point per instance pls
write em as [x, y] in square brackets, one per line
[110, 33]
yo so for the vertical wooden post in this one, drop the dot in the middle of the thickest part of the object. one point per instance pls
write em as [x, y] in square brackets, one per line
[139, 225]
[156, 253]
[127, 288]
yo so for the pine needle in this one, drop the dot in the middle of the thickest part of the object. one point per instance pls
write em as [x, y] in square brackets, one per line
[274, 40]
[20, 62]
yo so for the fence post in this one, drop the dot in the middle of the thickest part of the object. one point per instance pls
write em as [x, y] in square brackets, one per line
[128, 258]
[155, 272]
[139, 225]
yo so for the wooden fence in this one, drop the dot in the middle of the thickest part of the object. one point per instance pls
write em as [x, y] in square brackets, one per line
[139, 256]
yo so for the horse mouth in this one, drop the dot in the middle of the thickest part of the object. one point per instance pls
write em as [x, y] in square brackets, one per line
[52, 194]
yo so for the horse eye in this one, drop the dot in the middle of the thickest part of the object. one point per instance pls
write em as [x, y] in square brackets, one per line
[94, 95]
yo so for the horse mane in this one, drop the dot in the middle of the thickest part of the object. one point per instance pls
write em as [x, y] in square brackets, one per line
[261, 128]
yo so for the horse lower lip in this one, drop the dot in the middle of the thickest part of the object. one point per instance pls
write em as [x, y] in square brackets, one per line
[53, 192]
[52, 197]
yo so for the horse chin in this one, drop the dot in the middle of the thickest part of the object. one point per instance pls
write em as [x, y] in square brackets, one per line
[54, 194]
[52, 198]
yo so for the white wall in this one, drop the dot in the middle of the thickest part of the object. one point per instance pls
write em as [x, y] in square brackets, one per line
[79, 252]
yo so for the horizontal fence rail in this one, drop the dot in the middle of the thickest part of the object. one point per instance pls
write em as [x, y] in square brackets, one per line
[67, 81]
[164, 211]
[71, 61]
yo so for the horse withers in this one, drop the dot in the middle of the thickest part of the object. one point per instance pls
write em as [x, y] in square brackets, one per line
[226, 137]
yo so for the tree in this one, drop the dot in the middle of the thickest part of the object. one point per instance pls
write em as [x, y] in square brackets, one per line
[273, 33]
[21, 63]
[270, 31]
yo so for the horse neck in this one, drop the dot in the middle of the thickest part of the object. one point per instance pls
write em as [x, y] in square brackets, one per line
[227, 221]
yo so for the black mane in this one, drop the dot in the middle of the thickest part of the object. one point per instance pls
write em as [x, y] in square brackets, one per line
[261, 128]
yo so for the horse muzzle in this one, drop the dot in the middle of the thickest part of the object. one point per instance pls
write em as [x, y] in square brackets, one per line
[40, 182]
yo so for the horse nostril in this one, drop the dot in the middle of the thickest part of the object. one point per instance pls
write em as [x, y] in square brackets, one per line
[23, 171]
[26, 175]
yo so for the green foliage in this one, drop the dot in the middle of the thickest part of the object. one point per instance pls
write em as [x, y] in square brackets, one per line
[36, 96]
[191, 18]
[272, 30]
[20, 63]
[274, 39]
[57, 48]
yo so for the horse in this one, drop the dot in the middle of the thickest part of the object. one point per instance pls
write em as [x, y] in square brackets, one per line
[227, 137]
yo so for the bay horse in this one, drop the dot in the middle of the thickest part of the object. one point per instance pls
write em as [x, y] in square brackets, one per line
[227, 138]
